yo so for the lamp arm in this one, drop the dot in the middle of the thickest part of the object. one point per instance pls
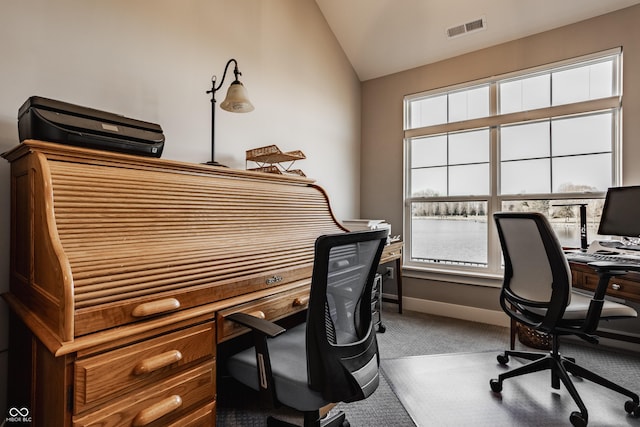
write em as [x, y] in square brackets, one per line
[215, 88]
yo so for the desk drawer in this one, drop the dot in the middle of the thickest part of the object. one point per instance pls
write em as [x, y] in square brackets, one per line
[618, 286]
[143, 363]
[391, 252]
[273, 307]
[203, 417]
[163, 404]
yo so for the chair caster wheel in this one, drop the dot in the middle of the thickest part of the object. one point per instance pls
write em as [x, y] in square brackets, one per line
[346, 423]
[632, 408]
[503, 359]
[382, 328]
[578, 420]
[496, 386]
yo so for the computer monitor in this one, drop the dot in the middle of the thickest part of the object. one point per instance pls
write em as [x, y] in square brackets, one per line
[621, 212]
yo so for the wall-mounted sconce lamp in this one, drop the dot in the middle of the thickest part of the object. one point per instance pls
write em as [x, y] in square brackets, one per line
[236, 101]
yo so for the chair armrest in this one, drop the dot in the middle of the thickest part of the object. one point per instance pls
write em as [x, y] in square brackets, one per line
[607, 270]
[257, 324]
[261, 330]
[613, 266]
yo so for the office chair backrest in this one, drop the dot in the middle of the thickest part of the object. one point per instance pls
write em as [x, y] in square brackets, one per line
[342, 350]
[537, 276]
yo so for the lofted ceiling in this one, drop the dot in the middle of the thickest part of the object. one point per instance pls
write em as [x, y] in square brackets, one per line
[381, 37]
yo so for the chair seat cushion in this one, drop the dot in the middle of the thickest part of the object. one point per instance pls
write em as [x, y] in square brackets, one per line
[287, 352]
[579, 306]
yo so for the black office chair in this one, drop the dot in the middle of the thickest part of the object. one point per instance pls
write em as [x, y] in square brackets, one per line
[537, 293]
[331, 358]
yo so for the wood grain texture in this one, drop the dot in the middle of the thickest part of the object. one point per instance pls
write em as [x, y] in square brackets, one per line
[106, 375]
[192, 387]
[111, 233]
[120, 266]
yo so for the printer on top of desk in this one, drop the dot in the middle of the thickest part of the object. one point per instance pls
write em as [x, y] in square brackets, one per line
[56, 121]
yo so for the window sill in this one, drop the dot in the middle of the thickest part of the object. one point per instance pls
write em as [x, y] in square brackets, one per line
[462, 277]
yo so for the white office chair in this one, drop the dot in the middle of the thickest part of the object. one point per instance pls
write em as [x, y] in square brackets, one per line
[537, 293]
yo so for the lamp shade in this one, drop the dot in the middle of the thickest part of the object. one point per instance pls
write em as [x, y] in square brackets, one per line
[237, 99]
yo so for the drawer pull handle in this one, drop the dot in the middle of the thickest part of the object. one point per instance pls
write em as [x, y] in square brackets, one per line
[615, 287]
[259, 314]
[160, 409]
[154, 363]
[300, 301]
[155, 307]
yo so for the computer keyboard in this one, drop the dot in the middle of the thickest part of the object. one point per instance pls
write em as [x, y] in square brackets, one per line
[584, 257]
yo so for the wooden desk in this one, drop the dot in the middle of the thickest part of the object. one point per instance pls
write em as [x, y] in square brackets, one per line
[393, 252]
[626, 287]
[123, 270]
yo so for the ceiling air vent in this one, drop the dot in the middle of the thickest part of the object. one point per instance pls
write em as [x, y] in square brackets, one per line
[469, 27]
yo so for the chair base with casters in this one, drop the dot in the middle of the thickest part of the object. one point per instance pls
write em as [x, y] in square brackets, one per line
[560, 367]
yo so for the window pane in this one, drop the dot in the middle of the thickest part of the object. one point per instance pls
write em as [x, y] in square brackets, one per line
[429, 182]
[469, 104]
[580, 135]
[583, 83]
[525, 94]
[541, 157]
[602, 80]
[430, 151]
[580, 173]
[469, 180]
[524, 141]
[449, 233]
[469, 147]
[525, 177]
[428, 111]
[564, 217]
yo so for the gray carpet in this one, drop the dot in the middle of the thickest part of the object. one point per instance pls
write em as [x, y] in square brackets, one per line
[417, 334]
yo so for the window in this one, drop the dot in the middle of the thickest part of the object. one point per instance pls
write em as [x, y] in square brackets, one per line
[545, 139]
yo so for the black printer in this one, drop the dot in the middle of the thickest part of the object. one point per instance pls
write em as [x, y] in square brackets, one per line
[56, 121]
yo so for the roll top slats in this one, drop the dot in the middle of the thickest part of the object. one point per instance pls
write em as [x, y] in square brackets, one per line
[139, 230]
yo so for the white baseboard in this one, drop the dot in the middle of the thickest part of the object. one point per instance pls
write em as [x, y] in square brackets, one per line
[463, 312]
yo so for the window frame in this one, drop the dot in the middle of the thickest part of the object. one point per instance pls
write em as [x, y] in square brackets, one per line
[493, 121]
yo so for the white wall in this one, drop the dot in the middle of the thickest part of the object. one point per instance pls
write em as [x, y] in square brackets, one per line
[153, 60]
